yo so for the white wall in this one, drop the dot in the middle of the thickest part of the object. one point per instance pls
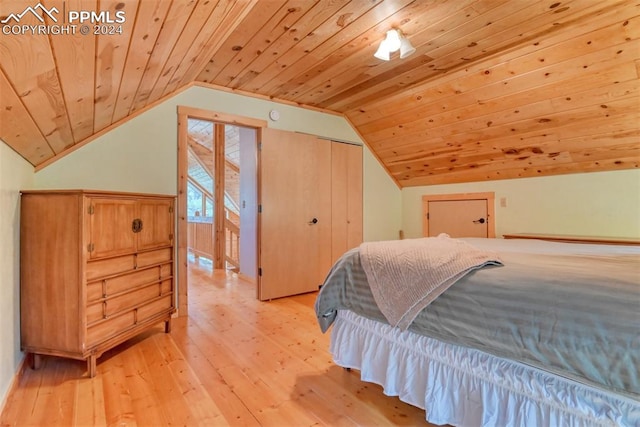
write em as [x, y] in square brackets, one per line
[15, 175]
[593, 204]
[382, 202]
[141, 155]
[248, 203]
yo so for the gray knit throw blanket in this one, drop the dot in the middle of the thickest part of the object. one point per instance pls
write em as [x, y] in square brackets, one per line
[405, 276]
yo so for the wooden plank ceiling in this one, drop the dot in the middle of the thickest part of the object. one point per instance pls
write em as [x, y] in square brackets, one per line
[496, 89]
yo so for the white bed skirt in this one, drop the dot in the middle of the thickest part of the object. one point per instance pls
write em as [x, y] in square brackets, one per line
[465, 387]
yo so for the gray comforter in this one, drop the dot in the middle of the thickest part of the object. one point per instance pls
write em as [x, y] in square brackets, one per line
[570, 309]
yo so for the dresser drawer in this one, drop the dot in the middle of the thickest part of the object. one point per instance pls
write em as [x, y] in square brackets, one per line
[166, 270]
[103, 329]
[95, 312]
[122, 264]
[109, 267]
[166, 286]
[108, 328]
[154, 257]
[132, 299]
[115, 305]
[116, 285]
[161, 305]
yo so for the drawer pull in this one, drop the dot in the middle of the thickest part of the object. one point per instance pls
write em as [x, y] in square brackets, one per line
[104, 310]
[104, 288]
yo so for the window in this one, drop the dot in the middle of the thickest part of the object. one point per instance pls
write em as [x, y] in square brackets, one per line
[194, 201]
[208, 208]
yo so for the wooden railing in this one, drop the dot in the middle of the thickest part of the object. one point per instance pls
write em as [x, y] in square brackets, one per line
[232, 246]
[200, 238]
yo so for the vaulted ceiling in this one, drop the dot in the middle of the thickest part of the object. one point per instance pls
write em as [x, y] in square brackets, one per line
[496, 89]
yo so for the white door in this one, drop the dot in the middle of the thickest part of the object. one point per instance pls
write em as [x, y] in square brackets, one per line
[295, 217]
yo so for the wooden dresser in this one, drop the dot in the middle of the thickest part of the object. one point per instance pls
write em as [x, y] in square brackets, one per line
[96, 269]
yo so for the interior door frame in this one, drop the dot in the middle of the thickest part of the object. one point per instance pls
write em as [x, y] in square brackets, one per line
[184, 114]
[489, 197]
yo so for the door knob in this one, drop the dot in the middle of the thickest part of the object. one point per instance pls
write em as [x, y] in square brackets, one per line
[313, 221]
[479, 221]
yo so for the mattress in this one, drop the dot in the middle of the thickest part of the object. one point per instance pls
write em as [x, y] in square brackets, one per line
[570, 309]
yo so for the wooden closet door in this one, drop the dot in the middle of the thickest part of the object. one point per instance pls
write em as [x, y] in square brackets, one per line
[346, 198]
[295, 189]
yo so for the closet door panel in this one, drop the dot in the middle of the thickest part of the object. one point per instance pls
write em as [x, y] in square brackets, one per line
[354, 197]
[339, 200]
[295, 222]
[346, 198]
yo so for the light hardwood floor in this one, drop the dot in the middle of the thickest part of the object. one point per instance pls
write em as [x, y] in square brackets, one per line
[232, 361]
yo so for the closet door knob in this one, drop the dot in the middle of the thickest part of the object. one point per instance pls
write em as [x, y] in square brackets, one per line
[479, 221]
[313, 221]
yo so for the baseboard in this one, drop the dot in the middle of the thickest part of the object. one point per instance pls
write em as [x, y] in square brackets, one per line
[14, 382]
[246, 278]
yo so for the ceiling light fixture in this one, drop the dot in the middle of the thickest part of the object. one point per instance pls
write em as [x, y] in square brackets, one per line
[394, 41]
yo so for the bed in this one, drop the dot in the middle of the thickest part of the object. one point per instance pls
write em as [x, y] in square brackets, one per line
[547, 335]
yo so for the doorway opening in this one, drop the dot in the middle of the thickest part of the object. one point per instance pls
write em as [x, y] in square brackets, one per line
[215, 153]
[217, 194]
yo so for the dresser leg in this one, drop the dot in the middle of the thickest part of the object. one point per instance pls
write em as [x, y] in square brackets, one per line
[167, 326]
[91, 365]
[34, 360]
